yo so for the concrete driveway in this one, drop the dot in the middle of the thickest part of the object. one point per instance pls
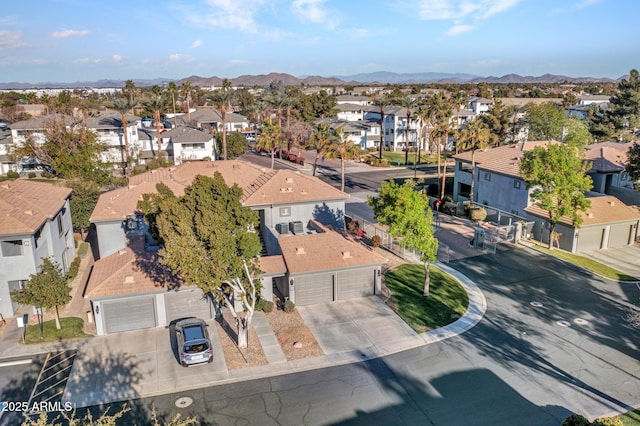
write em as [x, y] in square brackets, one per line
[624, 259]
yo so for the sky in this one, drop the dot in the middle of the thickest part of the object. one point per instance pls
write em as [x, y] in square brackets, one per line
[88, 40]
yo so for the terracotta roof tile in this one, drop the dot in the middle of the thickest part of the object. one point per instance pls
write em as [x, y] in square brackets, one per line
[272, 265]
[130, 270]
[322, 251]
[605, 209]
[260, 186]
[26, 205]
[502, 159]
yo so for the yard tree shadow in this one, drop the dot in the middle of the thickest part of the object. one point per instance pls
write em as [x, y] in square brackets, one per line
[327, 216]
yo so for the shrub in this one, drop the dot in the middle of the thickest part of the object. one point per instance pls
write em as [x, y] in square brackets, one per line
[576, 420]
[47, 175]
[376, 240]
[12, 174]
[73, 269]
[260, 304]
[32, 175]
[289, 306]
[608, 421]
[477, 214]
[268, 306]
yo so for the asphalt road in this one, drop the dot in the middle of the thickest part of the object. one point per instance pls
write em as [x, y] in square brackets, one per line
[553, 341]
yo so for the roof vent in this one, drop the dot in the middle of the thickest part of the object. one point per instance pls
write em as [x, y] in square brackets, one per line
[29, 212]
[289, 180]
[300, 250]
[131, 186]
[346, 255]
[5, 185]
[128, 279]
[612, 203]
[590, 215]
[286, 190]
[121, 252]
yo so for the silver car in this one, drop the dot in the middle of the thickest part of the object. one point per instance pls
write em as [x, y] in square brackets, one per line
[194, 345]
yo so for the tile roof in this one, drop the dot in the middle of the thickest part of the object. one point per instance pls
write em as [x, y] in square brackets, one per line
[323, 251]
[272, 265]
[26, 205]
[186, 134]
[111, 120]
[503, 159]
[604, 209]
[130, 270]
[607, 156]
[42, 122]
[260, 186]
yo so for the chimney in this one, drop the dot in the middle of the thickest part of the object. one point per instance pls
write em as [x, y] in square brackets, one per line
[590, 215]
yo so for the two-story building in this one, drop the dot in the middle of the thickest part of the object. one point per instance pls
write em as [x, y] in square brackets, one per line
[36, 224]
[306, 259]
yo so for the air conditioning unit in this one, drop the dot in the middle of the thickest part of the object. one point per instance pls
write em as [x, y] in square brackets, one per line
[282, 228]
[296, 227]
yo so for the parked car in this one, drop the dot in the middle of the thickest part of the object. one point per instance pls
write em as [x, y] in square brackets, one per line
[194, 345]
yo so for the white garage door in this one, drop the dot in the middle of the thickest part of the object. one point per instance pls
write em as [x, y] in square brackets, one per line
[589, 239]
[312, 289]
[129, 314]
[355, 283]
[620, 235]
[187, 303]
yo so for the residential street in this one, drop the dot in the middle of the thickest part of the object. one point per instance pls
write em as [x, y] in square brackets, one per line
[522, 364]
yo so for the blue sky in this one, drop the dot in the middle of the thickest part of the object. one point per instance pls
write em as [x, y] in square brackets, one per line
[81, 40]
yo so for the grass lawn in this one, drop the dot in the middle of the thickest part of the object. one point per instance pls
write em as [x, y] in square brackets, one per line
[71, 328]
[631, 418]
[394, 157]
[446, 303]
[591, 265]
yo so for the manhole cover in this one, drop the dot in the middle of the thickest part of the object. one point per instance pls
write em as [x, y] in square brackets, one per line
[536, 304]
[184, 402]
[563, 323]
[581, 321]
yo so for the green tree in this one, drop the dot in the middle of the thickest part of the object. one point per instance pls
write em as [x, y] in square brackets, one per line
[381, 102]
[545, 122]
[321, 140]
[156, 104]
[236, 145]
[209, 237]
[84, 197]
[407, 214]
[222, 99]
[633, 161]
[344, 149]
[475, 135]
[556, 176]
[123, 105]
[270, 139]
[172, 88]
[498, 120]
[47, 289]
[186, 89]
[625, 107]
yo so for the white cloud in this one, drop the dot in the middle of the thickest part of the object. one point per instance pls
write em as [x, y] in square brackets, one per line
[227, 14]
[459, 29]
[196, 44]
[11, 40]
[116, 58]
[179, 57]
[310, 10]
[69, 33]
[458, 9]
[88, 61]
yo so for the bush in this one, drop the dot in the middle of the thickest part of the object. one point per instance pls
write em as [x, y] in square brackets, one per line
[268, 306]
[608, 421]
[376, 240]
[11, 174]
[576, 420]
[32, 175]
[47, 175]
[477, 214]
[73, 269]
[289, 306]
[377, 162]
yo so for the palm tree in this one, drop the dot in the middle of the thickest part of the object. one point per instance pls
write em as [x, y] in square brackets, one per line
[424, 118]
[222, 99]
[409, 103]
[123, 105]
[156, 104]
[475, 135]
[270, 139]
[381, 102]
[130, 89]
[344, 149]
[441, 109]
[172, 88]
[458, 100]
[186, 90]
[321, 140]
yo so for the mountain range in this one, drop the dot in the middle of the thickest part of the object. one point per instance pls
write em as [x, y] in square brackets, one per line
[381, 77]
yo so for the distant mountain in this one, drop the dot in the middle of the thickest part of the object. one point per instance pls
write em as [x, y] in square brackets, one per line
[381, 77]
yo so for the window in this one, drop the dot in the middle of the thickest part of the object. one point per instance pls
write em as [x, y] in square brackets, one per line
[12, 248]
[59, 219]
[487, 176]
[285, 211]
[517, 183]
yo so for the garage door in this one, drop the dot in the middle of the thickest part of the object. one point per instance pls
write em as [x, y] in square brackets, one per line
[619, 235]
[589, 239]
[355, 283]
[187, 303]
[312, 289]
[129, 314]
